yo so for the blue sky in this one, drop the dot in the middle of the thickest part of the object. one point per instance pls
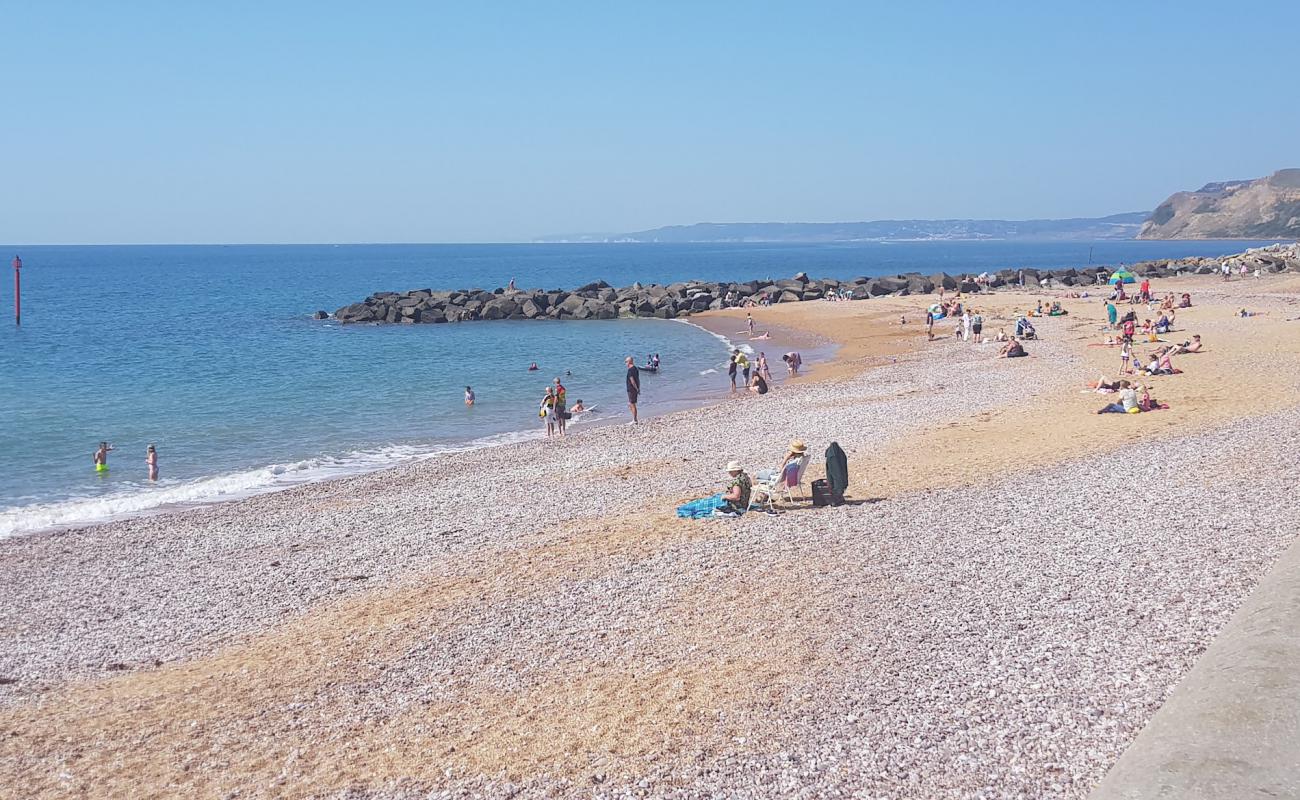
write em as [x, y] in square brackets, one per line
[425, 122]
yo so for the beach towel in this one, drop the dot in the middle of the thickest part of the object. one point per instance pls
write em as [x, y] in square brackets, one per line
[702, 508]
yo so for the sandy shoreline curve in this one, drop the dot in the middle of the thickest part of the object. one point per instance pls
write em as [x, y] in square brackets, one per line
[1007, 599]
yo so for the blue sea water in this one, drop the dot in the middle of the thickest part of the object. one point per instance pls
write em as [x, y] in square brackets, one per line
[210, 353]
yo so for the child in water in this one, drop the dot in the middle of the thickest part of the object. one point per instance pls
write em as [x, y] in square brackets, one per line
[151, 459]
[101, 456]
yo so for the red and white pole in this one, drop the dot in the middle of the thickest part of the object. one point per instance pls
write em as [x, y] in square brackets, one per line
[18, 292]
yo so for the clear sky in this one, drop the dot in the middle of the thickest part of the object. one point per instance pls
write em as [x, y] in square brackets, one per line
[495, 121]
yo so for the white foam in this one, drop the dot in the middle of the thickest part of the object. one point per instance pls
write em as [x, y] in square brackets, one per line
[731, 345]
[146, 499]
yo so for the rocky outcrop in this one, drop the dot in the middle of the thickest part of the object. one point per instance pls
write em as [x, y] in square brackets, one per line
[1266, 208]
[601, 301]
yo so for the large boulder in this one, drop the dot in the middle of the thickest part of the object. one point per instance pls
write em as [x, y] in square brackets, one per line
[357, 312]
[943, 279]
[887, 286]
[919, 284]
[572, 304]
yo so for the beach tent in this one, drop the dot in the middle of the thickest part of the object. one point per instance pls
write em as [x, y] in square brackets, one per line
[1122, 276]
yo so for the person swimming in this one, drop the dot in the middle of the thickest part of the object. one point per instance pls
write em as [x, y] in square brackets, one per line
[101, 456]
[532, 367]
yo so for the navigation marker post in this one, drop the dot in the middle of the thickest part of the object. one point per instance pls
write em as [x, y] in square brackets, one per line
[18, 292]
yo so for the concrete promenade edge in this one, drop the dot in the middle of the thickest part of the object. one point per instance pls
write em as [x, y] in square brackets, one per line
[1231, 728]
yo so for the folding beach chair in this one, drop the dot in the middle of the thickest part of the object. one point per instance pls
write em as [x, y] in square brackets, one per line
[784, 489]
[762, 495]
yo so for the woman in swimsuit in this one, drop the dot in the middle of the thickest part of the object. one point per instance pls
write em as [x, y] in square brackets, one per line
[151, 459]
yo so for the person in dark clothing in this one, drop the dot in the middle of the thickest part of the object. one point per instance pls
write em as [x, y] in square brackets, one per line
[633, 386]
[837, 472]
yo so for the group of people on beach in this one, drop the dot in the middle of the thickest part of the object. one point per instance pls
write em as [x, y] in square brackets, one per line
[742, 491]
[757, 377]
[1124, 331]
[100, 459]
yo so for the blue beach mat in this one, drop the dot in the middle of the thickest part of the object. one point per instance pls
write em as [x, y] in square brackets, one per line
[702, 508]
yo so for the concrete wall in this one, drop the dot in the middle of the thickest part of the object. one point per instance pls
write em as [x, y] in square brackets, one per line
[1231, 728]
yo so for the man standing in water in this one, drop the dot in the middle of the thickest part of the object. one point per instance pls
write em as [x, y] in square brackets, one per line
[633, 386]
[101, 456]
[561, 403]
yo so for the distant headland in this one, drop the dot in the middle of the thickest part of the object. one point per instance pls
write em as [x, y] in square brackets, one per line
[1265, 208]
[1116, 226]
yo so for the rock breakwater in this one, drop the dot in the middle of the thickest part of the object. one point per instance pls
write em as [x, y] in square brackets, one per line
[599, 300]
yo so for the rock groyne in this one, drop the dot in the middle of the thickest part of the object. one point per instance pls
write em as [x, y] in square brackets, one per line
[599, 300]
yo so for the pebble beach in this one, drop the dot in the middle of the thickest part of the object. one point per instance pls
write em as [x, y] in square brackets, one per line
[1012, 590]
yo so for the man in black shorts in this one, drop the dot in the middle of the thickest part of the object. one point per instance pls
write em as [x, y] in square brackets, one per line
[633, 385]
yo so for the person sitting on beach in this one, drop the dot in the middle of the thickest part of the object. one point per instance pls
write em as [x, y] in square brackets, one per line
[1146, 402]
[1012, 349]
[1163, 324]
[788, 473]
[756, 384]
[1128, 401]
[1186, 302]
[1193, 346]
[739, 487]
[1038, 312]
[1002, 335]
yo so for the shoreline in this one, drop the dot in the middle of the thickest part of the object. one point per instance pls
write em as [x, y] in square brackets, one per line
[239, 485]
[958, 616]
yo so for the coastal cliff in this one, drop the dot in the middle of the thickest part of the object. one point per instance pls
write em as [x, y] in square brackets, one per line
[1258, 209]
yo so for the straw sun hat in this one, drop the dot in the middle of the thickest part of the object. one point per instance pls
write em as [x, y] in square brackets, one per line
[797, 446]
[734, 466]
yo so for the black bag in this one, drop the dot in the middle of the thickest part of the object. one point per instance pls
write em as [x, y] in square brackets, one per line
[821, 492]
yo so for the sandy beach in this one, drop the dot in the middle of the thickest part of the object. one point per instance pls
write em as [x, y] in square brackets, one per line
[1011, 592]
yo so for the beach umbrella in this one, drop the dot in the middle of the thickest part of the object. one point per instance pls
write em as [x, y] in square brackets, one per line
[1122, 276]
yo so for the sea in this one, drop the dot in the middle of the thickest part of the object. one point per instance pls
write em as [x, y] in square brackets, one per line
[210, 353]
